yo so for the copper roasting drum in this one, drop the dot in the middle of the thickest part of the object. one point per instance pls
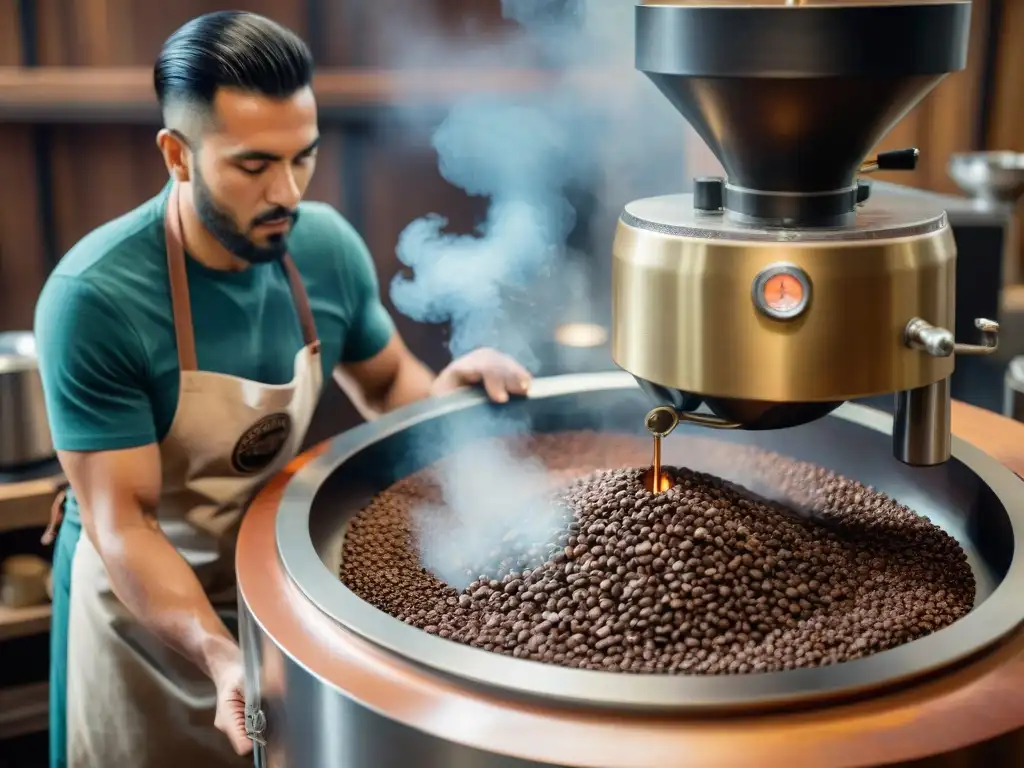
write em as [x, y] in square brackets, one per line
[341, 683]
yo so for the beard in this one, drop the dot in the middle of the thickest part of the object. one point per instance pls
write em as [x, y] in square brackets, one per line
[222, 226]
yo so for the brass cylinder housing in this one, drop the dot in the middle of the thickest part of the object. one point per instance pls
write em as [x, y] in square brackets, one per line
[686, 311]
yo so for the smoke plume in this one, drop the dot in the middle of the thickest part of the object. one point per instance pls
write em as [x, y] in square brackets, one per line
[499, 513]
[595, 124]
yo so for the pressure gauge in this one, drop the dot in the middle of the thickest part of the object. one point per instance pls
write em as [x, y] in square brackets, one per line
[782, 291]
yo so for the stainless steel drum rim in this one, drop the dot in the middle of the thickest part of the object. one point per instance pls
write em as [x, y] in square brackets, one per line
[996, 616]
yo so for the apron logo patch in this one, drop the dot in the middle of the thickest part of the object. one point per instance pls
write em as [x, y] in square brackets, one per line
[261, 443]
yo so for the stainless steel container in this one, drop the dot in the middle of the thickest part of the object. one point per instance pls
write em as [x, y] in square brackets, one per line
[1013, 390]
[332, 680]
[25, 437]
[992, 177]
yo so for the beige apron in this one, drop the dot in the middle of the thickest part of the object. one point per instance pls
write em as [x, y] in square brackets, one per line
[131, 701]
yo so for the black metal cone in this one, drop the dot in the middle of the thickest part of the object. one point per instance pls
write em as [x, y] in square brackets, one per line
[792, 99]
[793, 135]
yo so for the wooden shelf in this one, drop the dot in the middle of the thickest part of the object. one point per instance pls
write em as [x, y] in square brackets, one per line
[125, 94]
[27, 505]
[22, 622]
[24, 709]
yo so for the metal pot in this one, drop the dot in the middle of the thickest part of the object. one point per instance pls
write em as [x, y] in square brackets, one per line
[24, 432]
[333, 680]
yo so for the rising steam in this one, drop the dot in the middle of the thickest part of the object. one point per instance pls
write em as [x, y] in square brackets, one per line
[599, 125]
[499, 515]
[520, 157]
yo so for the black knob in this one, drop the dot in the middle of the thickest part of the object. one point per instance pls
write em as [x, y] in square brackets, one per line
[898, 160]
[863, 191]
[708, 193]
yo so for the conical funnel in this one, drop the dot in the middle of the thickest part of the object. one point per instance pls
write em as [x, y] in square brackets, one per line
[792, 97]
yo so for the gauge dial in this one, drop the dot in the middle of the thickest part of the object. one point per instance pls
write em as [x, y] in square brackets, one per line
[782, 291]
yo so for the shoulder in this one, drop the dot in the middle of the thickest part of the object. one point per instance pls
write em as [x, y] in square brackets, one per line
[77, 317]
[319, 220]
[325, 243]
[119, 248]
[111, 274]
[339, 273]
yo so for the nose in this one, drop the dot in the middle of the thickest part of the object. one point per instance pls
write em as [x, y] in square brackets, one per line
[285, 191]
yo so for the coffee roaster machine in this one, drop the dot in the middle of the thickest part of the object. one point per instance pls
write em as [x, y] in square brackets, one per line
[757, 306]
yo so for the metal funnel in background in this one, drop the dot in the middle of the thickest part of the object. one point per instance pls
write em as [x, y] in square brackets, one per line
[993, 177]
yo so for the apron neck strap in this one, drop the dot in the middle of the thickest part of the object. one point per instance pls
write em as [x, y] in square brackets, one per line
[181, 306]
[301, 300]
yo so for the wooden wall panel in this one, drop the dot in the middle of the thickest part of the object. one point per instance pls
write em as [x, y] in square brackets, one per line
[327, 184]
[10, 40]
[99, 173]
[113, 33]
[22, 266]
[1007, 112]
[390, 32]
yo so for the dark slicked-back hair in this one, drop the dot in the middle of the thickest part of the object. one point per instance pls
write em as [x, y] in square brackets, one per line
[230, 49]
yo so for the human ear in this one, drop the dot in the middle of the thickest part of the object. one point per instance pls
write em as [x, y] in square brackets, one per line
[176, 153]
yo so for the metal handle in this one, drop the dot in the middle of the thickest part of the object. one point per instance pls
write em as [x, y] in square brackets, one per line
[1013, 389]
[662, 420]
[940, 342]
[255, 720]
[989, 339]
[893, 160]
[255, 727]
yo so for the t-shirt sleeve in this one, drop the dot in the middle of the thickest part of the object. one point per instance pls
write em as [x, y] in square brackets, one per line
[93, 368]
[370, 327]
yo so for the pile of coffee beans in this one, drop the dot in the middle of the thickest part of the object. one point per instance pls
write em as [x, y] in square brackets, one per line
[796, 567]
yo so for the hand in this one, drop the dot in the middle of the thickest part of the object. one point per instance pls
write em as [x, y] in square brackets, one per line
[229, 678]
[500, 374]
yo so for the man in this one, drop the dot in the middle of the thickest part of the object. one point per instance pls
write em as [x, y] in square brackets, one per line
[183, 349]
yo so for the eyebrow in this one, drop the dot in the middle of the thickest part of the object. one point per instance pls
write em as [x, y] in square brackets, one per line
[254, 154]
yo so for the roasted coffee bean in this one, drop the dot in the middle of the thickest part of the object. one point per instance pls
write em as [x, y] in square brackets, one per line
[709, 577]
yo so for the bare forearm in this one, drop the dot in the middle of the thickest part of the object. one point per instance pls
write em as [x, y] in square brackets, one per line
[410, 385]
[161, 590]
[410, 382]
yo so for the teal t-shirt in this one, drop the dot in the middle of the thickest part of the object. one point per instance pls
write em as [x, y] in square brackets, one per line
[105, 331]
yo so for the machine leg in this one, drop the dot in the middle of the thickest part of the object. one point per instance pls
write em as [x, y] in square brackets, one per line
[921, 428]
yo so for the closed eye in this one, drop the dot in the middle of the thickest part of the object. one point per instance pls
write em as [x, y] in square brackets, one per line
[253, 163]
[253, 169]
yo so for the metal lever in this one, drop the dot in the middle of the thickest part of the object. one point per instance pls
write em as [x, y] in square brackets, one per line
[893, 160]
[939, 342]
[662, 420]
[255, 726]
[255, 720]
[989, 339]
